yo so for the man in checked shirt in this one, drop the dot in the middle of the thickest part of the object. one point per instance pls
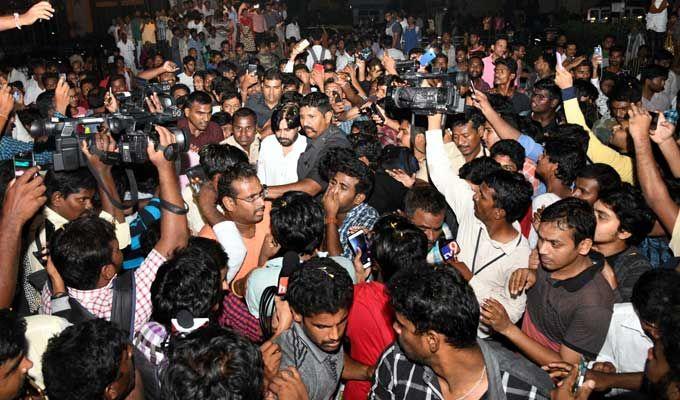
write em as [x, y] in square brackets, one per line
[87, 274]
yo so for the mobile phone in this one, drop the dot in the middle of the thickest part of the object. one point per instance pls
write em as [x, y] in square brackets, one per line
[375, 110]
[655, 119]
[22, 162]
[252, 69]
[358, 241]
[62, 76]
[318, 68]
[256, 6]
[196, 177]
[303, 44]
[427, 58]
[582, 369]
[16, 95]
[472, 88]
[448, 249]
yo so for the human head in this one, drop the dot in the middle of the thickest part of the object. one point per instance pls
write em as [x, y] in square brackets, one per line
[425, 207]
[595, 180]
[189, 281]
[178, 90]
[616, 56]
[500, 47]
[434, 307]
[509, 154]
[285, 122]
[502, 196]
[89, 360]
[320, 294]
[85, 252]
[545, 64]
[622, 215]
[118, 84]
[244, 125]
[368, 149]
[475, 67]
[654, 78]
[70, 193]
[241, 194]
[396, 245]
[230, 102]
[198, 110]
[213, 363]
[561, 159]
[216, 159]
[625, 93]
[225, 122]
[608, 42]
[14, 364]
[663, 58]
[189, 64]
[584, 70]
[272, 86]
[315, 114]
[545, 96]
[505, 72]
[566, 233]
[653, 295]
[476, 170]
[467, 133]
[297, 223]
[352, 180]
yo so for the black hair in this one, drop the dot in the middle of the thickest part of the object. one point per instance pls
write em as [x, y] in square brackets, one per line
[512, 193]
[568, 155]
[80, 249]
[49, 75]
[607, 178]
[83, 360]
[273, 74]
[317, 100]
[426, 198]
[289, 112]
[397, 245]
[477, 169]
[198, 97]
[367, 127]
[471, 115]
[68, 182]
[367, 146]
[320, 286]
[585, 89]
[95, 98]
[213, 363]
[45, 103]
[290, 79]
[437, 299]
[654, 293]
[297, 222]
[549, 58]
[354, 168]
[189, 281]
[548, 84]
[188, 59]
[291, 97]
[12, 335]
[670, 337]
[221, 118]
[179, 86]
[116, 77]
[244, 112]
[628, 90]
[510, 148]
[635, 216]
[572, 214]
[663, 55]
[653, 71]
[237, 172]
[218, 158]
[617, 49]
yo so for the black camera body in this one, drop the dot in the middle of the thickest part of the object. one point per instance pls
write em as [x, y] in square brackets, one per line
[445, 99]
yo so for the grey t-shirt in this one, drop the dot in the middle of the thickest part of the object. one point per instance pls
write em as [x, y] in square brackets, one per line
[308, 163]
[320, 371]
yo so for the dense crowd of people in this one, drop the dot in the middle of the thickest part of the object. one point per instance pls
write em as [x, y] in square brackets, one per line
[296, 232]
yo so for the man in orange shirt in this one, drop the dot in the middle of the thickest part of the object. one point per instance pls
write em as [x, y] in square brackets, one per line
[242, 197]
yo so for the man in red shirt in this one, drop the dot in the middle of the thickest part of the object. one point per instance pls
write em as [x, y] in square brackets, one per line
[197, 122]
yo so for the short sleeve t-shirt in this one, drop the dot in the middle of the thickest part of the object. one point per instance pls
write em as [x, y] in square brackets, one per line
[574, 312]
[308, 163]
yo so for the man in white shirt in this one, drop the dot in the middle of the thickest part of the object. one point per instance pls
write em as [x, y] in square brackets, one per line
[489, 236]
[342, 57]
[317, 53]
[34, 86]
[127, 50]
[279, 153]
[187, 77]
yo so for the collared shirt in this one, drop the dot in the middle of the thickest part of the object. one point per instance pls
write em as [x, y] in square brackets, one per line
[659, 102]
[185, 79]
[361, 216]
[308, 163]
[489, 69]
[573, 312]
[254, 150]
[100, 301]
[9, 147]
[212, 135]
[477, 248]
[628, 266]
[320, 371]
[274, 167]
[256, 103]
[626, 344]
[33, 90]
[235, 315]
[396, 377]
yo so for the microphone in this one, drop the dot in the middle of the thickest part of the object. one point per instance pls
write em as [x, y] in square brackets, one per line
[291, 262]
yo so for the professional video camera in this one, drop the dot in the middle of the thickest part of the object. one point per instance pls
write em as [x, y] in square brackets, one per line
[427, 100]
[132, 132]
[131, 102]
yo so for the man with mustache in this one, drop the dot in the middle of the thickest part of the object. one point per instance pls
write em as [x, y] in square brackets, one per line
[315, 117]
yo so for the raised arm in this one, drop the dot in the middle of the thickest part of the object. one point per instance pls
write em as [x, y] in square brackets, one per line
[23, 199]
[663, 137]
[150, 74]
[39, 11]
[653, 187]
[174, 226]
